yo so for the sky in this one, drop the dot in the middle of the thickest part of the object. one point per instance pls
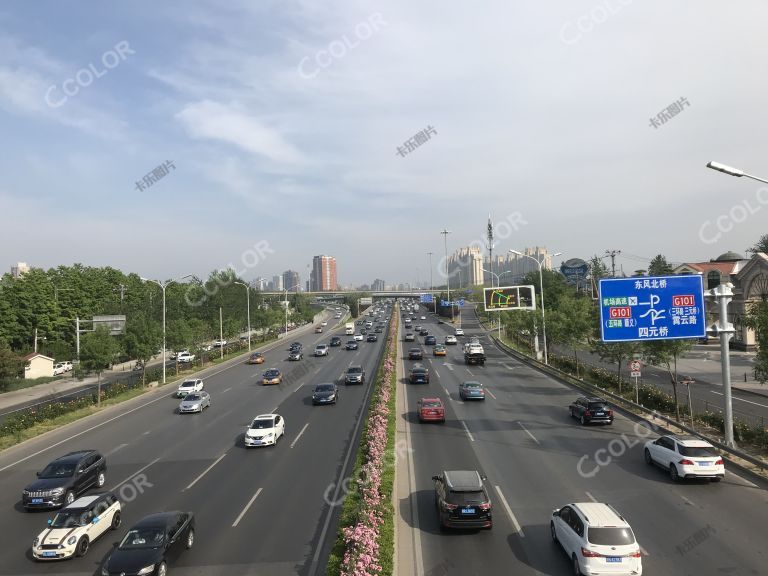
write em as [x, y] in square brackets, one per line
[179, 138]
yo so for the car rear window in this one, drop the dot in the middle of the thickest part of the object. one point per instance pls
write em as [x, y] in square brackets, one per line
[694, 451]
[598, 406]
[611, 536]
[469, 497]
[431, 404]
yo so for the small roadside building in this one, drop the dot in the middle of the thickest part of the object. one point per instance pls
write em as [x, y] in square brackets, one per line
[37, 365]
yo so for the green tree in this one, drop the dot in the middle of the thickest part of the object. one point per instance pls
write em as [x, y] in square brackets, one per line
[659, 266]
[761, 245]
[142, 339]
[570, 324]
[10, 363]
[665, 353]
[757, 320]
[97, 351]
[619, 352]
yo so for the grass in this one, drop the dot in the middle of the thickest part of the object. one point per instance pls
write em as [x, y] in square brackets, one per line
[21, 383]
[43, 427]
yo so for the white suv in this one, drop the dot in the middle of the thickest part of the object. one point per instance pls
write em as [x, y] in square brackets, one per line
[459, 332]
[321, 350]
[597, 539]
[189, 386]
[685, 457]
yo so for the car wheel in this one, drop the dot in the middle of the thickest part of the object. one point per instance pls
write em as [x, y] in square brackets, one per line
[648, 457]
[115, 521]
[576, 568]
[101, 479]
[82, 547]
[162, 569]
[583, 420]
[69, 497]
[190, 539]
[553, 533]
[673, 473]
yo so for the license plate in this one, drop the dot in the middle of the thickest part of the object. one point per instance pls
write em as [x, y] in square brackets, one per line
[37, 500]
[49, 554]
[613, 559]
[467, 510]
[704, 463]
[599, 413]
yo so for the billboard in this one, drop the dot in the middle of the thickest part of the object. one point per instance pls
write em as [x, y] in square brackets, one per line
[366, 301]
[115, 323]
[574, 269]
[652, 308]
[510, 298]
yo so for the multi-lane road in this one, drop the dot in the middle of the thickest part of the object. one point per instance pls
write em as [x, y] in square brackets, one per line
[537, 459]
[266, 511]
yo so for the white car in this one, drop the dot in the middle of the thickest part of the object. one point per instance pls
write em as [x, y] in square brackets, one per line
[324, 323]
[423, 317]
[358, 337]
[59, 369]
[597, 539]
[685, 457]
[450, 339]
[184, 357]
[189, 386]
[219, 343]
[459, 332]
[321, 350]
[265, 429]
[77, 526]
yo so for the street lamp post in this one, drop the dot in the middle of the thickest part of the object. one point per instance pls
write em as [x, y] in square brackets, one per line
[447, 276]
[248, 304]
[733, 171]
[541, 284]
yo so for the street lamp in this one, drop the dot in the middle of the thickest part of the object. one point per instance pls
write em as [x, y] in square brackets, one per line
[286, 290]
[163, 286]
[248, 304]
[541, 284]
[447, 276]
[498, 276]
[732, 171]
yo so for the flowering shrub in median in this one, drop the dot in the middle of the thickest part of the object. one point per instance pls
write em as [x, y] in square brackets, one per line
[362, 540]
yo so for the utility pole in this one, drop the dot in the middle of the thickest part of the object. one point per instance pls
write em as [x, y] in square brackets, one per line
[121, 288]
[724, 329]
[490, 248]
[613, 254]
[447, 276]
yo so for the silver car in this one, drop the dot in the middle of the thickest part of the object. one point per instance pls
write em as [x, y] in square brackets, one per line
[195, 402]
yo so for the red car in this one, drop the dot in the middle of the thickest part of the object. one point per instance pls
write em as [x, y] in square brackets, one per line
[431, 410]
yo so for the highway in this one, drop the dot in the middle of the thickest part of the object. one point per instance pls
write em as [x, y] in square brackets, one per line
[259, 511]
[537, 459]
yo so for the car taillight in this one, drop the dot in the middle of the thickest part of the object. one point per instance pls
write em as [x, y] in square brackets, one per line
[449, 507]
[635, 554]
[587, 413]
[485, 506]
[719, 462]
[686, 462]
[609, 412]
[589, 554]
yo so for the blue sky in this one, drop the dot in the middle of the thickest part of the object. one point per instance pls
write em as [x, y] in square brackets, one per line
[283, 120]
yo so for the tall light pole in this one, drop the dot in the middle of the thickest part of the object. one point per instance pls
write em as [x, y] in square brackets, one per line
[541, 284]
[733, 171]
[447, 276]
[248, 304]
[163, 286]
[286, 290]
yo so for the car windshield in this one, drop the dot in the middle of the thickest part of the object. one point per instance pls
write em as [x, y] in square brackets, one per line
[354, 370]
[611, 536]
[256, 355]
[192, 398]
[597, 406]
[324, 388]
[150, 537]
[431, 404]
[471, 385]
[188, 384]
[271, 374]
[418, 371]
[58, 470]
[695, 451]
[261, 424]
[68, 519]
[468, 497]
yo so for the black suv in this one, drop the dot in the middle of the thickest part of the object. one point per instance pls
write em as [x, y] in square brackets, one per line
[415, 354]
[462, 500]
[419, 374]
[355, 375]
[65, 478]
[591, 410]
[335, 341]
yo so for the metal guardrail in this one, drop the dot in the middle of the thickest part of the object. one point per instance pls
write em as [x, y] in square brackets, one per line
[588, 386]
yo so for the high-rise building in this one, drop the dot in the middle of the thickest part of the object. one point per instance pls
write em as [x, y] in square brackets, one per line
[19, 270]
[511, 268]
[277, 283]
[323, 275]
[465, 267]
[291, 281]
[378, 285]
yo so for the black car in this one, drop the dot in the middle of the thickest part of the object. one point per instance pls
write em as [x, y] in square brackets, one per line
[430, 340]
[593, 409]
[151, 545]
[351, 345]
[325, 394]
[363, 331]
[64, 479]
[415, 354]
[355, 375]
[295, 346]
[419, 374]
[335, 341]
[462, 500]
[423, 332]
[379, 329]
[372, 338]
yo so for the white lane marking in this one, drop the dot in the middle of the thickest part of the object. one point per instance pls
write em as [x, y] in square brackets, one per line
[139, 471]
[464, 424]
[298, 388]
[299, 435]
[742, 399]
[491, 393]
[115, 449]
[205, 471]
[226, 390]
[469, 372]
[508, 367]
[446, 391]
[449, 366]
[686, 500]
[515, 523]
[240, 517]
[146, 432]
[274, 410]
[643, 551]
[527, 432]
[590, 497]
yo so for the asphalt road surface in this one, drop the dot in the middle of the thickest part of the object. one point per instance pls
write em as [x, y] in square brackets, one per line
[537, 459]
[259, 511]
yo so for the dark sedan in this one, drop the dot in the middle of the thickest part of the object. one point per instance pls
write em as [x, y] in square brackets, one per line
[415, 354]
[372, 338]
[335, 341]
[152, 543]
[325, 394]
[351, 345]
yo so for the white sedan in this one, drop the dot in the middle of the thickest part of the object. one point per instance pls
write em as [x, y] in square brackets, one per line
[450, 339]
[459, 332]
[189, 386]
[265, 430]
[324, 323]
[358, 337]
[685, 457]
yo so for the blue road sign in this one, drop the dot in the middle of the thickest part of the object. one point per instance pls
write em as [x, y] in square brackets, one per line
[426, 298]
[652, 308]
